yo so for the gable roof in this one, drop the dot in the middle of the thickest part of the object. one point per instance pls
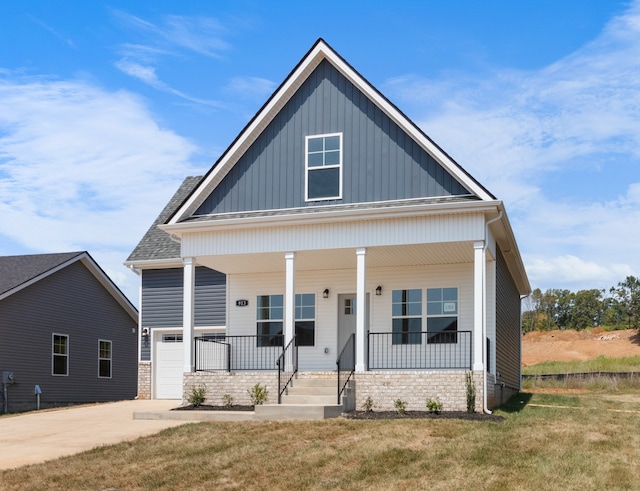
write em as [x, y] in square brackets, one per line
[19, 272]
[320, 51]
[156, 244]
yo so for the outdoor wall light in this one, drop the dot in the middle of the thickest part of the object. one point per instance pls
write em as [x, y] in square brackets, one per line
[379, 290]
[325, 293]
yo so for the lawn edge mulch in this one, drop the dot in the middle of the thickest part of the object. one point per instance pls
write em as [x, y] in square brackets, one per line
[423, 415]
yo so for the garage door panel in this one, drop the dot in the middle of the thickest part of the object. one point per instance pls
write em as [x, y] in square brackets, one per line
[168, 367]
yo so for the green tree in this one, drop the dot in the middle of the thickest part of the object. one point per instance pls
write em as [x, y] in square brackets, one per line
[587, 309]
[626, 298]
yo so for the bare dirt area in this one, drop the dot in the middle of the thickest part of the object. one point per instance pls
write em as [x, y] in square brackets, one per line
[538, 347]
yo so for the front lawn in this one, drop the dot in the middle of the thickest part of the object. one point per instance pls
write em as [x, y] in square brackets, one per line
[581, 443]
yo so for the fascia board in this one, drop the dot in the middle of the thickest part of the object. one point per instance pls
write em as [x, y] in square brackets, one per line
[410, 128]
[512, 254]
[251, 132]
[109, 285]
[330, 216]
[282, 95]
[155, 263]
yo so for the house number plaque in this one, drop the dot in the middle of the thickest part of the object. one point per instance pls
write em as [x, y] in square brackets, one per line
[242, 303]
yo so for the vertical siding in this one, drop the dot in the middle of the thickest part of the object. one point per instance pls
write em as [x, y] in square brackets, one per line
[380, 162]
[162, 300]
[508, 330]
[70, 302]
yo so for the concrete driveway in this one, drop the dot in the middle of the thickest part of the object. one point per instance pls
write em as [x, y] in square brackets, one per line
[38, 436]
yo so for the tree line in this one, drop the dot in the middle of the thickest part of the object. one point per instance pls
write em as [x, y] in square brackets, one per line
[617, 308]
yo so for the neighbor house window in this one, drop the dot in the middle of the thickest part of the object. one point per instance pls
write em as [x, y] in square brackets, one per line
[323, 166]
[406, 312]
[60, 355]
[305, 319]
[442, 315]
[104, 359]
[269, 315]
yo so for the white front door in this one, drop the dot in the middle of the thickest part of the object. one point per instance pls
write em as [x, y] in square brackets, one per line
[168, 366]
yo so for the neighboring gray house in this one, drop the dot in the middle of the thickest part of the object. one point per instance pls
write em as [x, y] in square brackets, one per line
[332, 230]
[67, 329]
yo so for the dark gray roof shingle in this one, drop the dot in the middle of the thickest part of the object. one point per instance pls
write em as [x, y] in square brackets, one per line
[17, 270]
[157, 244]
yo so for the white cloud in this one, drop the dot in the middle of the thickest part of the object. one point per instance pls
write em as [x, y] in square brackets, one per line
[516, 130]
[573, 272]
[251, 87]
[83, 168]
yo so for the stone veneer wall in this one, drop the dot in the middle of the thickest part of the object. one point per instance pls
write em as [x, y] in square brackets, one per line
[144, 380]
[384, 387]
[414, 387]
[236, 384]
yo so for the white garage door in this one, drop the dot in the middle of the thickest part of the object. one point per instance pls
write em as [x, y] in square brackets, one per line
[169, 356]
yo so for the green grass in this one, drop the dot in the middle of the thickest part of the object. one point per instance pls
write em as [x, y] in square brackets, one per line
[582, 442]
[599, 364]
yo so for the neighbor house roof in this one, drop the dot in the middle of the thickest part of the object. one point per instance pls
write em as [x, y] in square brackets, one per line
[157, 244]
[19, 272]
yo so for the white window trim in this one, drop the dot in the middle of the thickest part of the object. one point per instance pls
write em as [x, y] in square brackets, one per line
[306, 167]
[53, 354]
[110, 357]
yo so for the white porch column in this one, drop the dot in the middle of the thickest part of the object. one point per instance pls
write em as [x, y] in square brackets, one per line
[188, 306]
[289, 297]
[478, 304]
[361, 309]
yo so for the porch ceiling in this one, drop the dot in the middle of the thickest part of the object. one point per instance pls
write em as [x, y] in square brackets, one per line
[316, 260]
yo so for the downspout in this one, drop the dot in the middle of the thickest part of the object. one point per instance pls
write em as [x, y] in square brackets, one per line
[484, 313]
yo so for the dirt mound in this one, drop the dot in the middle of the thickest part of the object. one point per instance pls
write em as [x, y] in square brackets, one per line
[568, 345]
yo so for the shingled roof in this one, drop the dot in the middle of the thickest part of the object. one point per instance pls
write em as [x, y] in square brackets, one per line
[157, 244]
[18, 270]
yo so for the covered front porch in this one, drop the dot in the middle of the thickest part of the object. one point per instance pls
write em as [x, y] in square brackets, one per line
[407, 307]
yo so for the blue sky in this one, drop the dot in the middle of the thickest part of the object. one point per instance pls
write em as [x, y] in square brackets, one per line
[106, 107]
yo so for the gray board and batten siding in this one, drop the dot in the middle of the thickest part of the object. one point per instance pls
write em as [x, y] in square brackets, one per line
[380, 161]
[162, 302]
[508, 326]
[74, 303]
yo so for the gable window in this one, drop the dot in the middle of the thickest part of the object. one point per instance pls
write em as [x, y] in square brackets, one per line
[269, 315]
[60, 354]
[406, 313]
[442, 315]
[104, 359]
[305, 319]
[323, 165]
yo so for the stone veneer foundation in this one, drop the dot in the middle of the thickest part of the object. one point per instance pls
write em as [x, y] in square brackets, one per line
[384, 387]
[144, 380]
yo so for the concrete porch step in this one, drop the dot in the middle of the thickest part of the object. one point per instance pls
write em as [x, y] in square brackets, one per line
[297, 412]
[313, 399]
[313, 391]
[314, 382]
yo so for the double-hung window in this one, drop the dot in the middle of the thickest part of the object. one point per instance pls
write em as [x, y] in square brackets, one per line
[60, 354]
[406, 312]
[269, 315]
[323, 166]
[442, 315]
[305, 319]
[104, 358]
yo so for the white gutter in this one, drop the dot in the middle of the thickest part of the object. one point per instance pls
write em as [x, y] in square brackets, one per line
[484, 308]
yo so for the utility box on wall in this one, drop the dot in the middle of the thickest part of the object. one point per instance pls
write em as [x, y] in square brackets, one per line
[7, 377]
